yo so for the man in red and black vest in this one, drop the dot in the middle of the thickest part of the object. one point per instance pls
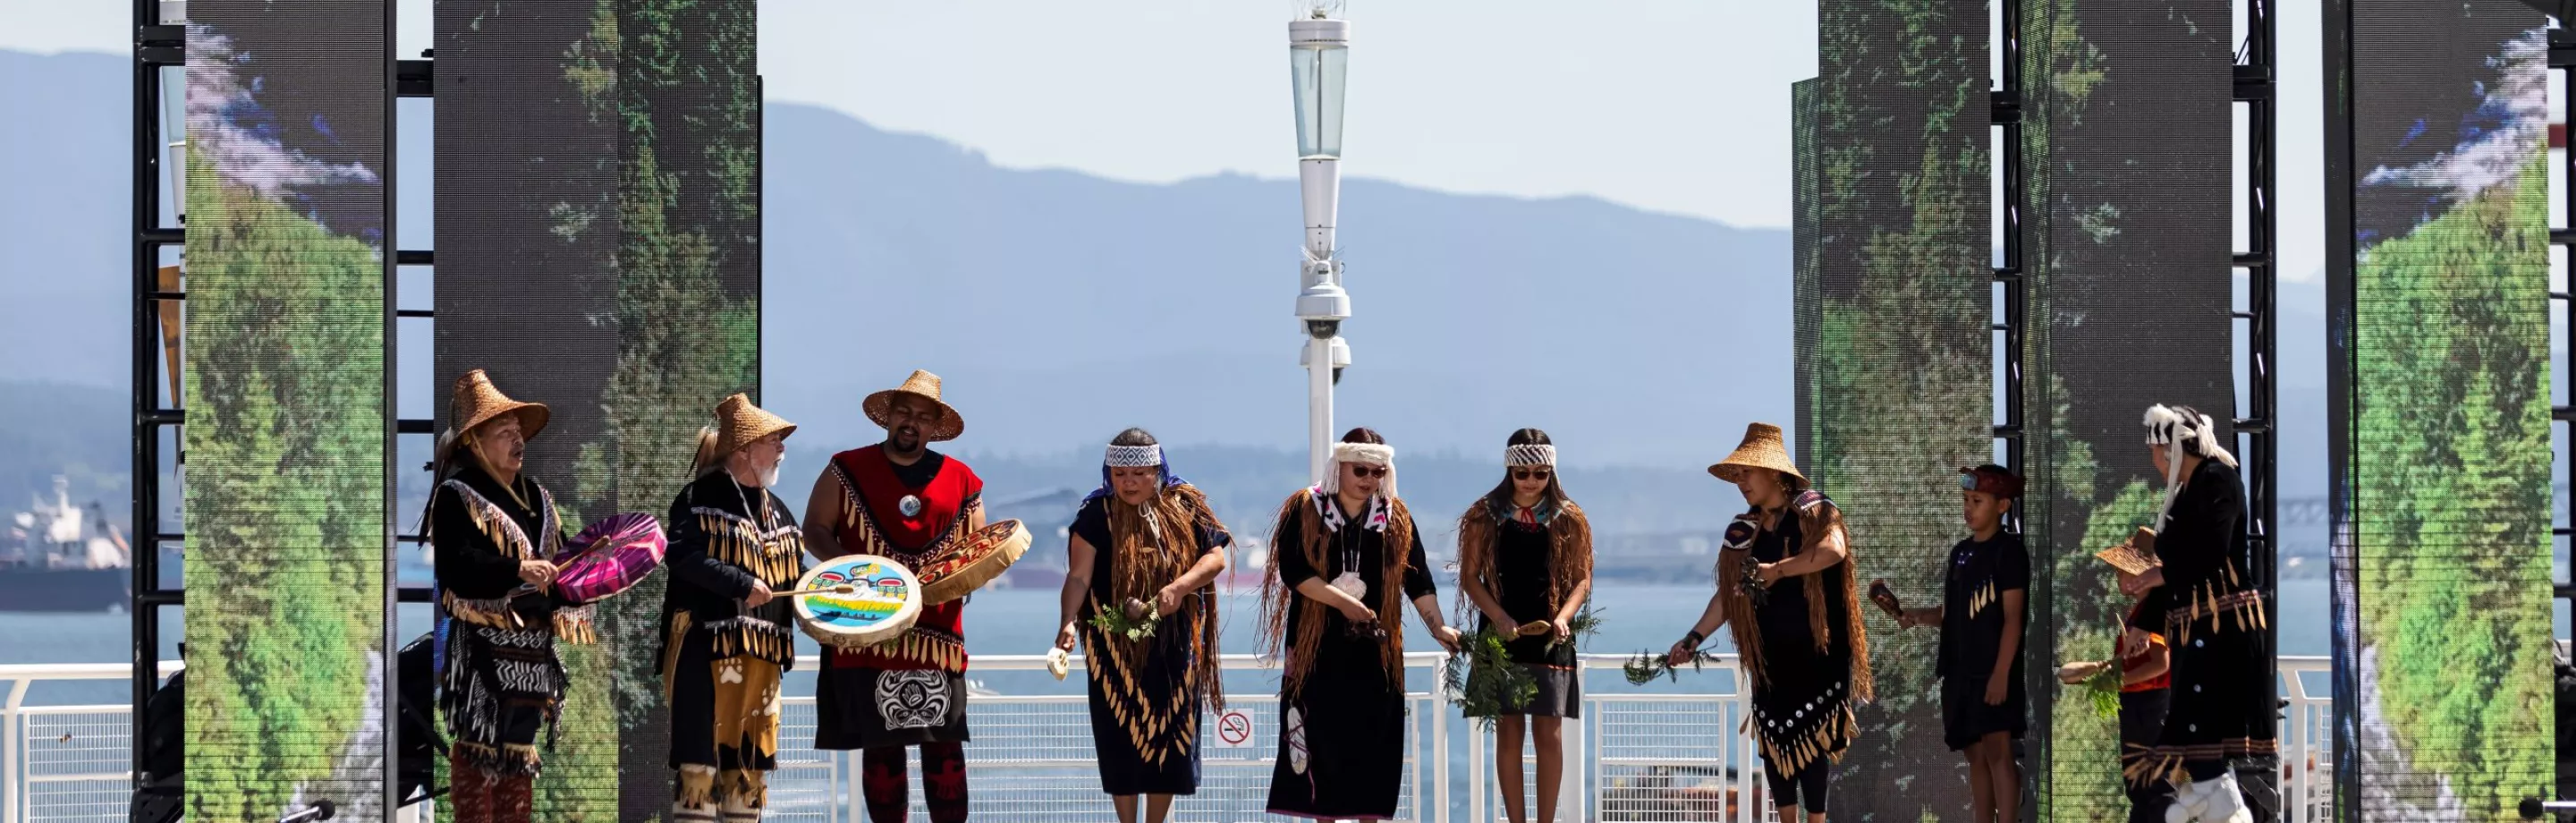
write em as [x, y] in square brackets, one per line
[900, 500]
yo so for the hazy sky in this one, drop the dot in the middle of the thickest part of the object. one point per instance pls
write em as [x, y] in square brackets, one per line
[1669, 105]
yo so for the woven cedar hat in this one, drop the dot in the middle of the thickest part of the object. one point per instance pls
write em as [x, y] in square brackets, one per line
[738, 423]
[2135, 556]
[924, 385]
[1762, 449]
[476, 402]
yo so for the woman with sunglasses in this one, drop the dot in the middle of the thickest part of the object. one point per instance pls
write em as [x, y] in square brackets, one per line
[1344, 559]
[1525, 569]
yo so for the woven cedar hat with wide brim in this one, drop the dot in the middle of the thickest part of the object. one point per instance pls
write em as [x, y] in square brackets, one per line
[1762, 449]
[738, 423]
[924, 385]
[2135, 556]
[476, 402]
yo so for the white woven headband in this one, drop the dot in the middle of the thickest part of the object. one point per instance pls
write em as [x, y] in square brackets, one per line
[1366, 454]
[1133, 457]
[1530, 455]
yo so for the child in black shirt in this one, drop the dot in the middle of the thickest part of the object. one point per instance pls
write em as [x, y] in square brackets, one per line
[1980, 617]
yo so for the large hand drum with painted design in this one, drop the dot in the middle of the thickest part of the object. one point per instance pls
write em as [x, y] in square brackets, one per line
[976, 558]
[884, 599]
[611, 556]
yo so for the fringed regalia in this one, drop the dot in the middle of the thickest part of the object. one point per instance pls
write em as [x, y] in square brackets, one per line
[2224, 701]
[1147, 694]
[721, 659]
[1803, 648]
[501, 682]
[1531, 560]
[912, 689]
[1341, 700]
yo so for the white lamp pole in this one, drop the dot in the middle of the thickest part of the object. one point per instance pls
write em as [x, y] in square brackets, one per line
[1318, 55]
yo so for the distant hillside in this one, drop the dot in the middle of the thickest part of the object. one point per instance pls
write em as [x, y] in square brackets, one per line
[56, 429]
[1063, 307]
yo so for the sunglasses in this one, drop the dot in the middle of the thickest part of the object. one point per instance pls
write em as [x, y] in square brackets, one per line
[1369, 471]
[1531, 474]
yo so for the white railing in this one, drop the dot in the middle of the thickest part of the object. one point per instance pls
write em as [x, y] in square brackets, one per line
[1634, 756]
[83, 770]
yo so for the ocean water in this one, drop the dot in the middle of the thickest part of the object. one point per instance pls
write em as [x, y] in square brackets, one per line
[1022, 622]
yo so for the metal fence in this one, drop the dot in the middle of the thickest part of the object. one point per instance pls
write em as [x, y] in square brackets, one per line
[1635, 756]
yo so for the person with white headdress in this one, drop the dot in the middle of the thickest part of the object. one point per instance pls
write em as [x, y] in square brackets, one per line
[2223, 709]
[1145, 547]
[1344, 559]
[1524, 571]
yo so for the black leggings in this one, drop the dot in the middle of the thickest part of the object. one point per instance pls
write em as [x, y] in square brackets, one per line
[1787, 789]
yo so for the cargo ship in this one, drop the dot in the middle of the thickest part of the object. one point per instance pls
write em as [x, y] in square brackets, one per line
[57, 557]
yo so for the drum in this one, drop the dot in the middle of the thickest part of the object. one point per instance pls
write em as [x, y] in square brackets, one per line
[886, 601]
[978, 557]
[611, 556]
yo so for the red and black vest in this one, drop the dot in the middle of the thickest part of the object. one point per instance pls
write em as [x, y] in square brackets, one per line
[873, 522]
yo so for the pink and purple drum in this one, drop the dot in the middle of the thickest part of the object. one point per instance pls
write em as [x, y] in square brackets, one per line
[611, 556]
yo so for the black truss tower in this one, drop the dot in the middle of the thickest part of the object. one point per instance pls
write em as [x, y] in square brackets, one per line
[2257, 78]
[156, 46]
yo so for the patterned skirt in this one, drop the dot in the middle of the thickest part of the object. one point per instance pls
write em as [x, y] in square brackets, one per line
[867, 708]
[501, 688]
[1145, 711]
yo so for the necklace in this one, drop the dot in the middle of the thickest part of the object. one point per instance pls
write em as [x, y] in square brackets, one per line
[759, 515]
[513, 488]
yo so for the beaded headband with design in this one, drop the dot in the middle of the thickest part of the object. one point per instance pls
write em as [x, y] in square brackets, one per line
[1534, 454]
[1133, 457]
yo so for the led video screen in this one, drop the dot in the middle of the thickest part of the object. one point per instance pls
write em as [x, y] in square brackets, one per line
[1802, 261]
[1900, 391]
[688, 301]
[527, 239]
[287, 430]
[2441, 424]
[2126, 122]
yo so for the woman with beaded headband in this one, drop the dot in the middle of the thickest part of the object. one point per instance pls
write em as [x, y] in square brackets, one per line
[1802, 645]
[1145, 545]
[1524, 563]
[2221, 723]
[1344, 559]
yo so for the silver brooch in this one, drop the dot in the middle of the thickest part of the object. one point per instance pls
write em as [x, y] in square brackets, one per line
[910, 505]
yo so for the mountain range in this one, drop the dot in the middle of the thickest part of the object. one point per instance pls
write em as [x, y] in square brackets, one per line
[1061, 307]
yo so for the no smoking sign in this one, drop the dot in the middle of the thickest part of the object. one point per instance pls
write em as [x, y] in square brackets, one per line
[1233, 728]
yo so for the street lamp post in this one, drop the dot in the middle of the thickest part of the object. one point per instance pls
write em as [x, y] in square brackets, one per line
[1318, 54]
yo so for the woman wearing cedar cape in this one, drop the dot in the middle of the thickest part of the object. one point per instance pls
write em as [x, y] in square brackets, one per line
[494, 529]
[726, 644]
[1344, 560]
[1802, 645]
[1146, 544]
[1525, 556]
[2223, 714]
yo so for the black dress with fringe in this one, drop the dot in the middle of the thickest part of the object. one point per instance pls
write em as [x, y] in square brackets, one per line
[1803, 714]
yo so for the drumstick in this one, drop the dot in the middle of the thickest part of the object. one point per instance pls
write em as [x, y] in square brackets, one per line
[844, 588]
